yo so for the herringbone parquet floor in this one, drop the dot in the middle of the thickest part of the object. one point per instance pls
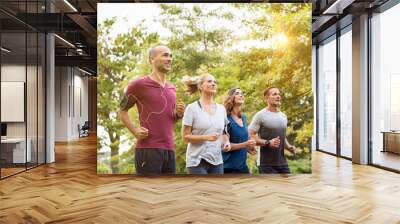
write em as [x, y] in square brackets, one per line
[70, 191]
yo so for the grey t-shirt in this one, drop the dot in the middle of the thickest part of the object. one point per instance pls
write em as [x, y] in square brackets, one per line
[204, 124]
[269, 125]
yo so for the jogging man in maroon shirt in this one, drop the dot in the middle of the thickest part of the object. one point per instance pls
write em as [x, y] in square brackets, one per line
[155, 99]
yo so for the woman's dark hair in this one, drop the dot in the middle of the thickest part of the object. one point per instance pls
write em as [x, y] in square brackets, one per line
[229, 102]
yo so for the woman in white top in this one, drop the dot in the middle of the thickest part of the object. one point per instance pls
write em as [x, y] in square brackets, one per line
[203, 127]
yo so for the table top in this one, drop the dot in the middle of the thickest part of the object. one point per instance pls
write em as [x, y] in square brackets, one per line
[391, 132]
[13, 140]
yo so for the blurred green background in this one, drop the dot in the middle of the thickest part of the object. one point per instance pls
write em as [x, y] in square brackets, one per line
[251, 46]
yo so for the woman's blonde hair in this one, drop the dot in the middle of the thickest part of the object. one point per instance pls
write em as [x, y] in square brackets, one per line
[193, 83]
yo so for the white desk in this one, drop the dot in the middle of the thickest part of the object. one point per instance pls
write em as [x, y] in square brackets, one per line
[18, 149]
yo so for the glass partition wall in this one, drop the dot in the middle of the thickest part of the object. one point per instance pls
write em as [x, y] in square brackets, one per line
[334, 95]
[22, 88]
[346, 92]
[13, 88]
[385, 90]
[327, 95]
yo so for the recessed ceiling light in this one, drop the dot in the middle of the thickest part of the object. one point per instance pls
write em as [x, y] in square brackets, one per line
[338, 6]
[70, 5]
[86, 72]
[5, 50]
[64, 40]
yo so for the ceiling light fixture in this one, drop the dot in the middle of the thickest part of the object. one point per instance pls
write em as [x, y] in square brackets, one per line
[64, 40]
[5, 50]
[337, 7]
[86, 72]
[70, 5]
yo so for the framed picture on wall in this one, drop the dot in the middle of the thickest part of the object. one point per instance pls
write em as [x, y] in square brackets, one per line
[204, 88]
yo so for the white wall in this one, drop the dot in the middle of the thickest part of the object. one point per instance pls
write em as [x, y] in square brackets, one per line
[81, 102]
[12, 73]
[61, 103]
[71, 94]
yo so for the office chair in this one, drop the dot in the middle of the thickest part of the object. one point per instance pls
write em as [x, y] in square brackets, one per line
[84, 130]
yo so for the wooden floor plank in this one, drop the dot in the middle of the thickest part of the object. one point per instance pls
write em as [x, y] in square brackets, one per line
[70, 191]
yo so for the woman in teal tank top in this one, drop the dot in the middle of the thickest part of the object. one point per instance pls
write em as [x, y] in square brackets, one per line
[235, 158]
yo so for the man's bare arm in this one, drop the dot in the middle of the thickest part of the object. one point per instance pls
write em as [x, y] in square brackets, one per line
[124, 106]
[179, 110]
[274, 143]
[254, 136]
[289, 147]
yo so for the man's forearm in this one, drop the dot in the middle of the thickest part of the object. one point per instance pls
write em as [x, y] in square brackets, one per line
[259, 141]
[289, 146]
[124, 116]
[177, 117]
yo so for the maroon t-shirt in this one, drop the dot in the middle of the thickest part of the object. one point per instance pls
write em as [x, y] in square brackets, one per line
[156, 111]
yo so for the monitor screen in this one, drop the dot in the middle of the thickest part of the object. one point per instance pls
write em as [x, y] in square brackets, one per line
[3, 129]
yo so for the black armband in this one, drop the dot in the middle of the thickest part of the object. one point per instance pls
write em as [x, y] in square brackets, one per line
[126, 102]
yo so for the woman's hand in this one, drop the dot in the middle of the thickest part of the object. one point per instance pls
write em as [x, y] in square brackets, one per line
[251, 143]
[226, 147]
[252, 151]
[212, 137]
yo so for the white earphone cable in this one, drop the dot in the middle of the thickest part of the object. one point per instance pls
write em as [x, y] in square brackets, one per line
[162, 94]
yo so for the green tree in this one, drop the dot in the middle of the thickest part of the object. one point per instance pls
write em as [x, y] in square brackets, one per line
[196, 48]
[117, 59]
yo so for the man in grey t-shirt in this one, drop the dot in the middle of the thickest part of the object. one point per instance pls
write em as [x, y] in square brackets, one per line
[268, 128]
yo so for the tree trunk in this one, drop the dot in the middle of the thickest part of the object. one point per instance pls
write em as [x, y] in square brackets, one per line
[114, 160]
[114, 153]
